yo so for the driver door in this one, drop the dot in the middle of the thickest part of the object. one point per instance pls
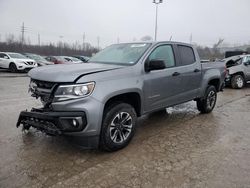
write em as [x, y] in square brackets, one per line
[161, 87]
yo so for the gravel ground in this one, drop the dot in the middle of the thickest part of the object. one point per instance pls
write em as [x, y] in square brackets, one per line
[176, 148]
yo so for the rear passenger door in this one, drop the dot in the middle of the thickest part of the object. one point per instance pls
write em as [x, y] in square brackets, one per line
[190, 72]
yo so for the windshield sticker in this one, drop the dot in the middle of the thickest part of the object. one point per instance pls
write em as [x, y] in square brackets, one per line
[137, 45]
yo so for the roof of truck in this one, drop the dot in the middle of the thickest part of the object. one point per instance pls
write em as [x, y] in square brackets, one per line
[157, 42]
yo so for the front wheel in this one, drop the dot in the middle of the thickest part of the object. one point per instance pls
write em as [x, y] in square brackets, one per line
[13, 68]
[207, 104]
[118, 126]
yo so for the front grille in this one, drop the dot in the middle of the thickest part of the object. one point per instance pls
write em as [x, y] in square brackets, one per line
[29, 63]
[44, 84]
[43, 89]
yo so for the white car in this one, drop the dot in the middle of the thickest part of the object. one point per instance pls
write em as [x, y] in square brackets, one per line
[16, 62]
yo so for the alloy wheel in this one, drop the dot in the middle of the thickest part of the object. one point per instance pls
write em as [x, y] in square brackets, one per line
[120, 127]
[211, 99]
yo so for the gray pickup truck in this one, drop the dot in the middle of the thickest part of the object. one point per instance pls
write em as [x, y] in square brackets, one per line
[99, 102]
[238, 68]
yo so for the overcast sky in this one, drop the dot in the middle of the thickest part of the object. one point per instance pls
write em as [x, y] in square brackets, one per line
[206, 20]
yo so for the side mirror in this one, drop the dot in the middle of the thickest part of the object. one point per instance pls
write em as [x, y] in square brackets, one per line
[155, 64]
[6, 57]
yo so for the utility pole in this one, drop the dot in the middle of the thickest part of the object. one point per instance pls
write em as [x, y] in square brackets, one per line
[61, 44]
[98, 42]
[83, 41]
[22, 31]
[118, 40]
[170, 39]
[39, 39]
[156, 2]
[191, 38]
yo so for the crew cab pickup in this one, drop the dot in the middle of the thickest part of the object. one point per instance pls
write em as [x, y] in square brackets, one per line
[100, 101]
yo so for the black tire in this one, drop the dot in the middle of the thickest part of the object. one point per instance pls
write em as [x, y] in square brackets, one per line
[207, 104]
[114, 129]
[13, 68]
[237, 82]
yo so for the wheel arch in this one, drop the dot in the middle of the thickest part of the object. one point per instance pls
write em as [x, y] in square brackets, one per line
[132, 98]
[239, 73]
[214, 82]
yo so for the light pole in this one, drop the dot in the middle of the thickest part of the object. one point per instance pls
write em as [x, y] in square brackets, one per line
[156, 2]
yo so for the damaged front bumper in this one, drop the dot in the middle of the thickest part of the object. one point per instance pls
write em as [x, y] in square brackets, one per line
[51, 122]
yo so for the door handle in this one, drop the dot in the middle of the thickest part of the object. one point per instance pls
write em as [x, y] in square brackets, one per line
[176, 74]
[197, 70]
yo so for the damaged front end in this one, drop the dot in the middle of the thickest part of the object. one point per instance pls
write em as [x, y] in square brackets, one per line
[47, 120]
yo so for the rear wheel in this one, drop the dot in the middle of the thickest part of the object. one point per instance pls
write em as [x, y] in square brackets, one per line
[207, 104]
[237, 82]
[13, 67]
[118, 126]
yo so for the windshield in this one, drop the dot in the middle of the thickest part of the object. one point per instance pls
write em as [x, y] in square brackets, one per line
[74, 59]
[126, 54]
[61, 58]
[37, 57]
[17, 56]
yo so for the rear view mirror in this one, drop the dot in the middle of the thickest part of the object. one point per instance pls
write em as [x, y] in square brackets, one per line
[155, 64]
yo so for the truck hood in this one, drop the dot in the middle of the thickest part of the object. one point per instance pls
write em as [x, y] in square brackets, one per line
[68, 72]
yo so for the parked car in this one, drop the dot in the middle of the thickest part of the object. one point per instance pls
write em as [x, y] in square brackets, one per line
[41, 61]
[82, 58]
[238, 71]
[57, 60]
[16, 62]
[99, 102]
[72, 59]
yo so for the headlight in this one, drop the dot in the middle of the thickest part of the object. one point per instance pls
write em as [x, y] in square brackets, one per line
[65, 92]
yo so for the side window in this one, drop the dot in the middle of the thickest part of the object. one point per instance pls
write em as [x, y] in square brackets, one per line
[187, 55]
[2, 55]
[246, 59]
[165, 53]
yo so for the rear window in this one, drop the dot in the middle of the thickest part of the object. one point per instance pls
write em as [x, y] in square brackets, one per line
[187, 55]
